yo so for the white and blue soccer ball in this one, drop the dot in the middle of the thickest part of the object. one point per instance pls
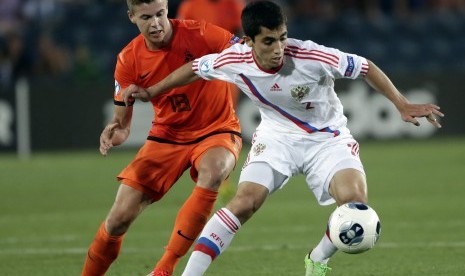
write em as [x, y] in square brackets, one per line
[354, 227]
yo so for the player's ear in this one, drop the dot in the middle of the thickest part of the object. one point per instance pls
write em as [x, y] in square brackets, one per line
[131, 17]
[248, 40]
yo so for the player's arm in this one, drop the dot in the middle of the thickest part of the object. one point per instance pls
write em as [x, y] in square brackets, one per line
[409, 112]
[180, 77]
[117, 130]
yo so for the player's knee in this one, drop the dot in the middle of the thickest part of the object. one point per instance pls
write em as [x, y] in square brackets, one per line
[212, 178]
[356, 194]
[118, 224]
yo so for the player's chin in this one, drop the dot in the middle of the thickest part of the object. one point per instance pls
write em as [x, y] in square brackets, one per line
[275, 62]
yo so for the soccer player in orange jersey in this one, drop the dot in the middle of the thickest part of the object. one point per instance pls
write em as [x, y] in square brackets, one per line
[223, 13]
[194, 127]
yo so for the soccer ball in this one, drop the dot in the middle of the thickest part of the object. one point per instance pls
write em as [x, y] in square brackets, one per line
[354, 227]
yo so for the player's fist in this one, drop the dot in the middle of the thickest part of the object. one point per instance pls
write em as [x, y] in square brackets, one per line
[135, 92]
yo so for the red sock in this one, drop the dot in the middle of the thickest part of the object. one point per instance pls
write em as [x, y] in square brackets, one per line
[189, 223]
[102, 252]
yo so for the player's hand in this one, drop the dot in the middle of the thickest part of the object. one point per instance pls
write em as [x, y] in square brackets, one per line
[410, 112]
[133, 92]
[112, 135]
[106, 142]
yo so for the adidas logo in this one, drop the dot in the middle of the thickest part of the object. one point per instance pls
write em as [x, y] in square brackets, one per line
[275, 87]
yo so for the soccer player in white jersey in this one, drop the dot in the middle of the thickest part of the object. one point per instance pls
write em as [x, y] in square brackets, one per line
[303, 128]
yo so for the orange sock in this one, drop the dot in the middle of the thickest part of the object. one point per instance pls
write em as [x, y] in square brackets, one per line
[189, 223]
[102, 252]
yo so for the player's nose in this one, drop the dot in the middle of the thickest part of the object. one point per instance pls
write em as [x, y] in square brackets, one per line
[155, 21]
[279, 48]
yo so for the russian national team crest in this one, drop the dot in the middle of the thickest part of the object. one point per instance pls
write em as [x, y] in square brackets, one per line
[300, 92]
[258, 149]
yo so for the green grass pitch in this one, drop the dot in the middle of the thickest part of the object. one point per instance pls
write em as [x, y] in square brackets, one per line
[51, 206]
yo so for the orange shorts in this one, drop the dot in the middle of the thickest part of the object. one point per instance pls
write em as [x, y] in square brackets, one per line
[157, 166]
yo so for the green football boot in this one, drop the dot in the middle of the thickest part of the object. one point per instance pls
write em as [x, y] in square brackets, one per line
[315, 268]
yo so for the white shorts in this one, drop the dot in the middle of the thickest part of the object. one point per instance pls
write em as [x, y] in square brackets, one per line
[318, 156]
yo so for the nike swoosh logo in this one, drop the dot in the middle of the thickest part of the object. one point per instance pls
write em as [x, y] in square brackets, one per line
[144, 75]
[187, 238]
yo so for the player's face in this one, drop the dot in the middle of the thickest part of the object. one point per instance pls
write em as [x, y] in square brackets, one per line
[268, 47]
[152, 21]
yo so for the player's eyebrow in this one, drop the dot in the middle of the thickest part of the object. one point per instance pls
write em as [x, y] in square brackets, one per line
[144, 15]
[272, 38]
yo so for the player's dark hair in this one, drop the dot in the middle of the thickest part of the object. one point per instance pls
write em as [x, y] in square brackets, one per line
[261, 14]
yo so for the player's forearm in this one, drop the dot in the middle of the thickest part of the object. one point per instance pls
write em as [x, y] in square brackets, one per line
[180, 77]
[123, 116]
[381, 83]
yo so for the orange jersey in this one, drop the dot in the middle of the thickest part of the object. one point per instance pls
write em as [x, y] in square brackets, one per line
[223, 13]
[187, 113]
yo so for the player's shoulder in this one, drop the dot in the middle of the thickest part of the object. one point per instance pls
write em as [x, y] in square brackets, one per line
[237, 55]
[188, 24]
[201, 27]
[239, 48]
[128, 53]
[301, 44]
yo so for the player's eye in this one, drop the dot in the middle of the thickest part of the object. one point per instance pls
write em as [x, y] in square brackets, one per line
[268, 42]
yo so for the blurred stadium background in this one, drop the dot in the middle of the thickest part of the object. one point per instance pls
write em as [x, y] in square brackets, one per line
[66, 52]
[56, 84]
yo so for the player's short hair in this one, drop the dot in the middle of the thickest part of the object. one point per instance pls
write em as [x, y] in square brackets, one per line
[132, 3]
[261, 14]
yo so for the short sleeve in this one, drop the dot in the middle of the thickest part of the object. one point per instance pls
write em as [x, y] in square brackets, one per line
[206, 69]
[336, 63]
[218, 38]
[124, 76]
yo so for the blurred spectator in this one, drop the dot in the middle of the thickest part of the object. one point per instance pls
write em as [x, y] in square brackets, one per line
[52, 58]
[15, 60]
[6, 68]
[10, 15]
[85, 67]
[44, 12]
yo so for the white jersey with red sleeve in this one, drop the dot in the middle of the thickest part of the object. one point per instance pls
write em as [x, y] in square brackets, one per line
[297, 97]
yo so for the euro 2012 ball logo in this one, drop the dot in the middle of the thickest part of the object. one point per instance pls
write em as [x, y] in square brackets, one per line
[354, 227]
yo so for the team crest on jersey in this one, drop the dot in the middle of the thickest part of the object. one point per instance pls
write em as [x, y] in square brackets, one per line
[258, 149]
[117, 88]
[206, 65]
[299, 92]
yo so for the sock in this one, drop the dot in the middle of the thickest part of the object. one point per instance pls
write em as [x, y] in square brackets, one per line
[190, 221]
[102, 252]
[324, 250]
[214, 239]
